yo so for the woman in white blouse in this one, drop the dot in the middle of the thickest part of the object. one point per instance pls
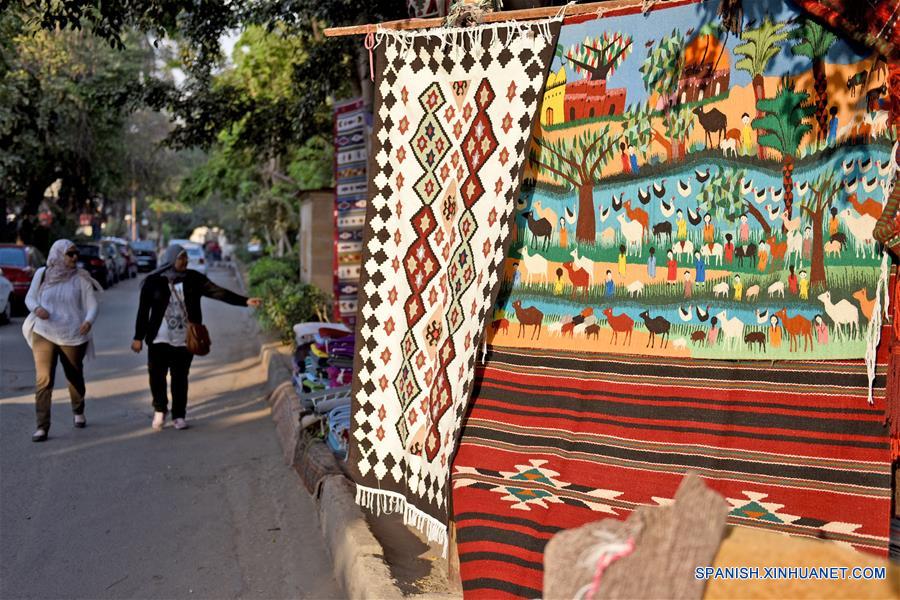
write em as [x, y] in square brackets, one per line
[63, 301]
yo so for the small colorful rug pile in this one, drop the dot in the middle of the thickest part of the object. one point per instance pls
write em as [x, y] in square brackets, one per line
[454, 111]
[351, 123]
[555, 440]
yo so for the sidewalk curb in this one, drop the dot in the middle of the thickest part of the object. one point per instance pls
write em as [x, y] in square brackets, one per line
[355, 553]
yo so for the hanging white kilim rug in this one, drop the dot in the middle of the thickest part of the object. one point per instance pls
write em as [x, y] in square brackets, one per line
[453, 117]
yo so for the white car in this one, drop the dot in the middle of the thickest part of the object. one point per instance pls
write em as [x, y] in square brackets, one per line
[6, 298]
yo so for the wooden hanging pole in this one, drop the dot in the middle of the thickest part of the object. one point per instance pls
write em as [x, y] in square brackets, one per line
[528, 14]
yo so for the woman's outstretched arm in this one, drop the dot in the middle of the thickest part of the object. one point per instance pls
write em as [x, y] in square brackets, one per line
[211, 290]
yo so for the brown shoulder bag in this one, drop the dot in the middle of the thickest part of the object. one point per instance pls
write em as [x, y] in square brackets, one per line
[198, 341]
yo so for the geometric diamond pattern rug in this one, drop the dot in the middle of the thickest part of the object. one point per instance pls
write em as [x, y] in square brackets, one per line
[453, 118]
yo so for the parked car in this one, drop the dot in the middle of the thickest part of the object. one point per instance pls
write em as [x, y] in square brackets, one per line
[94, 258]
[145, 254]
[131, 268]
[196, 255]
[121, 265]
[6, 299]
[19, 263]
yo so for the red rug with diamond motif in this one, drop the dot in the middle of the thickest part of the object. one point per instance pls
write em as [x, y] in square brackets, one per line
[554, 441]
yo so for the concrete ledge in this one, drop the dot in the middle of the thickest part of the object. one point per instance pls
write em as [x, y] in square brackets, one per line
[286, 415]
[356, 554]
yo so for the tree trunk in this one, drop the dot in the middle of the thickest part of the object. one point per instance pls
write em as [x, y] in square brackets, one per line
[586, 228]
[34, 195]
[821, 86]
[6, 234]
[817, 262]
[759, 217]
[665, 143]
[787, 171]
[759, 92]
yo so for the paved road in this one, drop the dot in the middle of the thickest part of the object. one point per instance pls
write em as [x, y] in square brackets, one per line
[119, 511]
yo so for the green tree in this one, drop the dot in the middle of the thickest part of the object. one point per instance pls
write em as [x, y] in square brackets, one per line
[64, 101]
[760, 45]
[597, 58]
[822, 193]
[722, 195]
[784, 126]
[255, 163]
[814, 42]
[577, 163]
[638, 127]
[661, 73]
[273, 103]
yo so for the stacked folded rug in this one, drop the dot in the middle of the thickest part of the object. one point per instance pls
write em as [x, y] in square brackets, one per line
[323, 366]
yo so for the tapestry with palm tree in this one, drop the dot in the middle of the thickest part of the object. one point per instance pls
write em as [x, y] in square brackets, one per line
[695, 192]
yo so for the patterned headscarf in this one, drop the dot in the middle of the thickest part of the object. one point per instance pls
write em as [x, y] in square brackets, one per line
[57, 271]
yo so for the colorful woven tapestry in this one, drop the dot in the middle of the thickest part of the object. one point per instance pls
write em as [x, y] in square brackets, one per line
[351, 126]
[691, 197]
[696, 194]
[453, 117]
[555, 440]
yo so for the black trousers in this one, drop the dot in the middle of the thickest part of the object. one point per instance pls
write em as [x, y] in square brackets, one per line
[164, 359]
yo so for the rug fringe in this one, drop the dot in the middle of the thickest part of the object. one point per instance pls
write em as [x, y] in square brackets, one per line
[468, 39]
[882, 300]
[380, 502]
[873, 332]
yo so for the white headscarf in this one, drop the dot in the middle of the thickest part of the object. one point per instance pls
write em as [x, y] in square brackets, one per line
[57, 271]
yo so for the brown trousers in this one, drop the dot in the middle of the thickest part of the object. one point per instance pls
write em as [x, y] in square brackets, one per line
[46, 353]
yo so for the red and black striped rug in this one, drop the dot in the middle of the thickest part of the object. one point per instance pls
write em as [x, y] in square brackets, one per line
[554, 441]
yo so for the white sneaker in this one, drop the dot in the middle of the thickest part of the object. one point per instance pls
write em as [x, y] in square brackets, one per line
[159, 418]
[180, 424]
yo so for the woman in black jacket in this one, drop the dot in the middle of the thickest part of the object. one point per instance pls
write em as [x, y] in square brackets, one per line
[166, 294]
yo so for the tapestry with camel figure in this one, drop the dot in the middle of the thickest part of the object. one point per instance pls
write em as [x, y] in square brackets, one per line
[454, 112]
[557, 439]
[695, 193]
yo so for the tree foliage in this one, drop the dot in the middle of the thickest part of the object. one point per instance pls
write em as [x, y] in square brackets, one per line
[813, 40]
[574, 162]
[596, 58]
[638, 128]
[65, 98]
[722, 196]
[264, 115]
[661, 70]
[577, 163]
[760, 45]
[784, 119]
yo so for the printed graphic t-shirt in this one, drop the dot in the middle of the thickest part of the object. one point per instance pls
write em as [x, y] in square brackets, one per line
[173, 330]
